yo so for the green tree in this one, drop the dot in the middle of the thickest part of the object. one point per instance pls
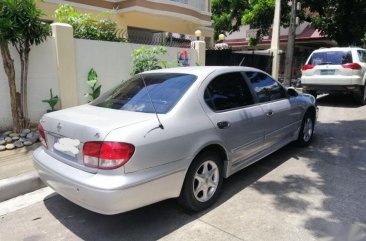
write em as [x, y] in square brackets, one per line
[20, 26]
[331, 17]
[87, 26]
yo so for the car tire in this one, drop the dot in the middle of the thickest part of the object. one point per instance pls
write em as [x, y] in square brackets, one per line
[203, 182]
[306, 131]
[360, 96]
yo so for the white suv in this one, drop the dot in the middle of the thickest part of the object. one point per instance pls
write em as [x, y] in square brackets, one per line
[332, 70]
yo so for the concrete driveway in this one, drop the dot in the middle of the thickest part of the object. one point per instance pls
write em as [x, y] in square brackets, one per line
[316, 193]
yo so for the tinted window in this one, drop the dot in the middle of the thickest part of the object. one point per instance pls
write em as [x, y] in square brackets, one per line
[228, 91]
[362, 56]
[331, 57]
[165, 90]
[265, 87]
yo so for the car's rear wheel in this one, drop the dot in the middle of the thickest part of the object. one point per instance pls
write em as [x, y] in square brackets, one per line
[203, 182]
[360, 96]
[306, 130]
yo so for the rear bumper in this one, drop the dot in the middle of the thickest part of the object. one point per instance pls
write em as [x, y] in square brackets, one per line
[331, 88]
[109, 194]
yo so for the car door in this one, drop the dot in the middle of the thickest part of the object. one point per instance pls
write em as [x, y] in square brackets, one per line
[283, 114]
[229, 104]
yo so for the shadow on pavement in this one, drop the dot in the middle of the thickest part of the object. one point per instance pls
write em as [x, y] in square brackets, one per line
[338, 157]
[337, 100]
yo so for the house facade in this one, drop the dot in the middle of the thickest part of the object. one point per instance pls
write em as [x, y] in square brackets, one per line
[147, 17]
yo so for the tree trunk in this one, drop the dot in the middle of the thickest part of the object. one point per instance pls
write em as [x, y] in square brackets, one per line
[10, 72]
[24, 56]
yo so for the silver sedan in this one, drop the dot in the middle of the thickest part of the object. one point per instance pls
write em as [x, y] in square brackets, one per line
[172, 133]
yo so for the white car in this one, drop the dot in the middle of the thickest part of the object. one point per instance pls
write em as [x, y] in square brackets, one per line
[332, 70]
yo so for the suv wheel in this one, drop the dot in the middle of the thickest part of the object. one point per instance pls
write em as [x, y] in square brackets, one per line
[360, 96]
[203, 182]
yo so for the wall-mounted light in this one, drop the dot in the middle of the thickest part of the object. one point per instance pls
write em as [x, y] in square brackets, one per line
[221, 37]
[198, 34]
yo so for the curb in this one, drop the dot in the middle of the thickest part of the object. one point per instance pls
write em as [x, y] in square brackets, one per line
[19, 185]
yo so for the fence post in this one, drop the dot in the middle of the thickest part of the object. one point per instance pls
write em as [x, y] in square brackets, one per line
[200, 48]
[66, 64]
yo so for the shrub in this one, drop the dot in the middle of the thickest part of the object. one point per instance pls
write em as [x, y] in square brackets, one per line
[87, 26]
[146, 58]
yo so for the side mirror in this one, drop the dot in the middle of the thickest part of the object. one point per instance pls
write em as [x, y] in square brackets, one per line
[292, 92]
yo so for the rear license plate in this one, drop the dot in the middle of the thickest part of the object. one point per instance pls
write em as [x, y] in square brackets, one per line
[67, 146]
[327, 72]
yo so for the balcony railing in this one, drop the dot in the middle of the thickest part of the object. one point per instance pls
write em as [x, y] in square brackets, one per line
[199, 4]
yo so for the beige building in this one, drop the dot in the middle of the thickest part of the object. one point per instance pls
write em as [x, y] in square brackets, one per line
[141, 17]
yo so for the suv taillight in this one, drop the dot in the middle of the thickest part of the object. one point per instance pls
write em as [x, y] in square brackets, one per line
[355, 66]
[107, 155]
[42, 135]
[307, 66]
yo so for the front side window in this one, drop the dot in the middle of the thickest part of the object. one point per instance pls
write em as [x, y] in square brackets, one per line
[228, 91]
[331, 57]
[162, 91]
[265, 87]
[362, 55]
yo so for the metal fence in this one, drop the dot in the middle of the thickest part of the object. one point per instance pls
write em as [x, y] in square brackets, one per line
[227, 57]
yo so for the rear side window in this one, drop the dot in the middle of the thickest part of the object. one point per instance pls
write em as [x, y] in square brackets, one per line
[331, 57]
[362, 55]
[228, 91]
[165, 90]
[266, 88]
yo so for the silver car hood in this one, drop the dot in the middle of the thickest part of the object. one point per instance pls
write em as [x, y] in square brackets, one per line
[90, 123]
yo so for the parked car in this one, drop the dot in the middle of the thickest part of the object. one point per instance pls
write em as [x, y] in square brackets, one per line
[334, 70]
[172, 133]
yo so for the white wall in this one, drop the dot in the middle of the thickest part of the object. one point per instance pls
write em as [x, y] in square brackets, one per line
[110, 60]
[42, 76]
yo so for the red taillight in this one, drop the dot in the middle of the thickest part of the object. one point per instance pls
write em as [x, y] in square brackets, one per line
[107, 155]
[307, 66]
[42, 135]
[355, 66]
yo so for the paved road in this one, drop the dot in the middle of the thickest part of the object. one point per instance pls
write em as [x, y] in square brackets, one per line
[317, 193]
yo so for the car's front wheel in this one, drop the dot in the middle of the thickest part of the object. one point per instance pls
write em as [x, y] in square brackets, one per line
[306, 130]
[203, 182]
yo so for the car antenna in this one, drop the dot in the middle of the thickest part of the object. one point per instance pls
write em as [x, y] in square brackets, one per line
[241, 62]
[148, 94]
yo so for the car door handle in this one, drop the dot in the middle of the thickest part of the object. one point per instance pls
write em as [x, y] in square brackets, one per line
[223, 124]
[270, 112]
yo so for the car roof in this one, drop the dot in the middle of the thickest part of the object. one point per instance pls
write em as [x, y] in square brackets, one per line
[202, 70]
[337, 49]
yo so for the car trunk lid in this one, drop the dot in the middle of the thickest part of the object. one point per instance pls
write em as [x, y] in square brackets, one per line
[67, 130]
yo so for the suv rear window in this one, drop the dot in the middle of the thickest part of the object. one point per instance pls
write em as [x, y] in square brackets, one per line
[331, 57]
[164, 90]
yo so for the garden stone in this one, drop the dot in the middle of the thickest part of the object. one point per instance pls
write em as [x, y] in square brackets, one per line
[28, 143]
[30, 135]
[9, 146]
[23, 134]
[26, 131]
[8, 139]
[13, 134]
[18, 144]
[22, 139]
[7, 133]
[15, 138]
[2, 148]
[2, 142]
[33, 139]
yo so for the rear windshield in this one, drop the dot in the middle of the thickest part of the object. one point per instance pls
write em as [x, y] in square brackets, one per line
[164, 90]
[331, 57]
